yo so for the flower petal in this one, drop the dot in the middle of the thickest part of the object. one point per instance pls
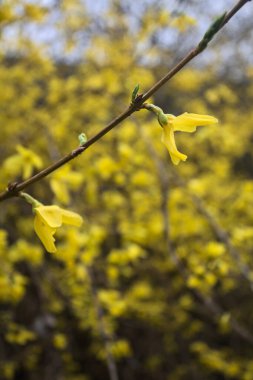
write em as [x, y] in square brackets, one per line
[27, 171]
[69, 217]
[169, 141]
[61, 190]
[45, 234]
[51, 215]
[188, 122]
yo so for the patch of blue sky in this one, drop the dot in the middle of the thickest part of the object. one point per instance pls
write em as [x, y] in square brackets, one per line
[51, 39]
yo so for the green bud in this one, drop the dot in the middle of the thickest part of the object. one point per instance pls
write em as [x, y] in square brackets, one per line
[135, 92]
[82, 138]
[212, 30]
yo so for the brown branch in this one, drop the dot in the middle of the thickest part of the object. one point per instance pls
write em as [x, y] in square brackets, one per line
[15, 187]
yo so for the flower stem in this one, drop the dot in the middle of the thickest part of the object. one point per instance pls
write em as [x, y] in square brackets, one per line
[29, 199]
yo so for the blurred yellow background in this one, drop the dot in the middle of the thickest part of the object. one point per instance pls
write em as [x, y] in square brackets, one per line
[157, 283]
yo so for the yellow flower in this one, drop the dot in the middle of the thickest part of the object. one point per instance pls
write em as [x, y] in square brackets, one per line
[48, 219]
[183, 22]
[187, 122]
[63, 180]
[25, 160]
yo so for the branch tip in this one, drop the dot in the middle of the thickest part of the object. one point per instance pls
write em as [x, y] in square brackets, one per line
[137, 103]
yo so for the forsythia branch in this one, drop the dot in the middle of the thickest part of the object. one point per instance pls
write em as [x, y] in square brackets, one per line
[14, 188]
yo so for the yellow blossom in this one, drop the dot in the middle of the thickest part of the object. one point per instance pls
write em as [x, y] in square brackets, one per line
[48, 219]
[183, 22]
[24, 161]
[63, 180]
[187, 122]
[60, 341]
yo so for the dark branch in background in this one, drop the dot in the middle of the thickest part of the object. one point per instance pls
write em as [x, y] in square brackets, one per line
[220, 233]
[208, 301]
[106, 338]
[14, 188]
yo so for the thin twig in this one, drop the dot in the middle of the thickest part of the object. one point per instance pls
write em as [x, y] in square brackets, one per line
[15, 187]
